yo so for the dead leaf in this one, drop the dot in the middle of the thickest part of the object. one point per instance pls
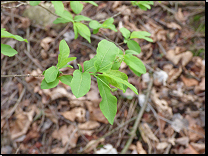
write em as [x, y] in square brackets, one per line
[77, 113]
[89, 125]
[189, 81]
[199, 147]
[139, 148]
[200, 87]
[51, 114]
[174, 74]
[190, 150]
[182, 141]
[76, 103]
[161, 105]
[161, 123]
[162, 145]
[33, 134]
[45, 43]
[25, 22]
[66, 135]
[58, 150]
[173, 25]
[91, 145]
[179, 16]
[86, 132]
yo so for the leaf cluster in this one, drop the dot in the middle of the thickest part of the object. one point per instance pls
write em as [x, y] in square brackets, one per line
[144, 5]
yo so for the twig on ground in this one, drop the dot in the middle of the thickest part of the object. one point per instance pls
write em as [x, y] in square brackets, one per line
[47, 10]
[169, 146]
[136, 123]
[109, 133]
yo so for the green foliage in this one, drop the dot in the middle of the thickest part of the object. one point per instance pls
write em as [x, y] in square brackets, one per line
[91, 2]
[83, 30]
[34, 3]
[45, 85]
[7, 49]
[144, 5]
[66, 79]
[134, 46]
[107, 24]
[80, 83]
[141, 35]
[58, 6]
[76, 6]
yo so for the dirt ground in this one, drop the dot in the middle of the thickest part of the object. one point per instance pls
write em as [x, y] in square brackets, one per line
[54, 121]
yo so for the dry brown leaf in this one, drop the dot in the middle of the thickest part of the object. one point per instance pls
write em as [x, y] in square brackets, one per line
[33, 134]
[58, 150]
[161, 105]
[182, 141]
[174, 74]
[161, 123]
[34, 72]
[45, 43]
[89, 125]
[66, 135]
[77, 113]
[162, 145]
[199, 147]
[76, 103]
[200, 87]
[189, 81]
[91, 145]
[86, 132]
[116, 4]
[144, 127]
[25, 23]
[51, 114]
[173, 25]
[124, 7]
[179, 16]
[139, 148]
[190, 150]
[95, 113]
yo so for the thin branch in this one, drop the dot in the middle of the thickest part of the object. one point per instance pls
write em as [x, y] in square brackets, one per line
[27, 75]
[47, 10]
[7, 7]
[136, 123]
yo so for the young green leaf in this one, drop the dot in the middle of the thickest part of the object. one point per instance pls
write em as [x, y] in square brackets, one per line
[34, 3]
[108, 105]
[125, 32]
[66, 15]
[118, 74]
[79, 18]
[5, 34]
[131, 52]
[75, 31]
[141, 35]
[109, 24]
[133, 45]
[94, 24]
[91, 2]
[8, 50]
[89, 65]
[106, 53]
[80, 83]
[83, 30]
[60, 20]
[80, 67]
[51, 74]
[66, 79]
[45, 85]
[76, 6]
[120, 80]
[64, 62]
[135, 64]
[58, 6]
[67, 65]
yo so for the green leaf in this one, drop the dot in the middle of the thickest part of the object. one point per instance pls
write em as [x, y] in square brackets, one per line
[120, 80]
[75, 31]
[58, 6]
[95, 31]
[84, 31]
[133, 45]
[51, 74]
[80, 67]
[118, 74]
[108, 21]
[80, 83]
[89, 65]
[141, 35]
[66, 15]
[8, 50]
[45, 85]
[109, 24]
[34, 3]
[106, 53]
[76, 6]
[91, 2]
[66, 79]
[81, 18]
[125, 32]
[64, 62]
[67, 66]
[94, 24]
[131, 52]
[60, 20]
[135, 64]
[5, 34]
[108, 105]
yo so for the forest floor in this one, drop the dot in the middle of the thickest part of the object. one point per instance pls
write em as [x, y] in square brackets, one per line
[35, 120]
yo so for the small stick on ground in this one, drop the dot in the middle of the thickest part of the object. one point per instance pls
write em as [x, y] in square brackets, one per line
[136, 123]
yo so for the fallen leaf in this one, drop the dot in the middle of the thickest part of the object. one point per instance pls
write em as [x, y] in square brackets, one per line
[89, 125]
[199, 147]
[189, 81]
[45, 43]
[161, 145]
[179, 16]
[139, 148]
[190, 150]
[174, 74]
[200, 87]
[173, 25]
[182, 141]
[91, 145]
